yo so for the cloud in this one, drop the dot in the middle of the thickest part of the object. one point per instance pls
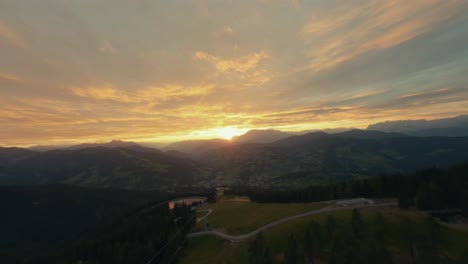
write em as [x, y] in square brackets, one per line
[366, 93]
[106, 47]
[296, 4]
[11, 36]
[149, 94]
[290, 65]
[172, 91]
[349, 31]
[241, 72]
[241, 64]
[227, 29]
[428, 93]
[9, 77]
[102, 93]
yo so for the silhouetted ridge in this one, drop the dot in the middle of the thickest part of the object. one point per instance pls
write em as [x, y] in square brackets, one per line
[111, 144]
[368, 134]
[303, 139]
[261, 136]
[452, 127]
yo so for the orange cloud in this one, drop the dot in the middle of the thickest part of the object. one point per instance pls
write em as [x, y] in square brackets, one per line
[241, 64]
[376, 25]
[106, 47]
[258, 89]
[102, 93]
[150, 94]
[32, 120]
[227, 29]
[9, 77]
[296, 4]
[11, 36]
[241, 72]
[172, 90]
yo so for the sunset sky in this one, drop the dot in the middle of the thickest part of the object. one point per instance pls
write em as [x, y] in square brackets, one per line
[149, 70]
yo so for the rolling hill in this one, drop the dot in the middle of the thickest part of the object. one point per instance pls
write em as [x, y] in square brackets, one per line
[312, 158]
[134, 167]
[9, 155]
[195, 147]
[323, 158]
[112, 145]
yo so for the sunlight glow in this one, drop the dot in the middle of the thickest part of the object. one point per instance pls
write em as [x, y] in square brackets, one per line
[229, 132]
[219, 132]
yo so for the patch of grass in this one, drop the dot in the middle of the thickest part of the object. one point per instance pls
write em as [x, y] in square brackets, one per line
[202, 213]
[278, 235]
[457, 241]
[214, 250]
[211, 250]
[240, 217]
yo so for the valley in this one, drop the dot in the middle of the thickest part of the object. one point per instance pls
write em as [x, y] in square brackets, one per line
[311, 158]
[238, 197]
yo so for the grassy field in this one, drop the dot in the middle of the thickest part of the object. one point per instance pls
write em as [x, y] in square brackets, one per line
[202, 213]
[238, 216]
[213, 250]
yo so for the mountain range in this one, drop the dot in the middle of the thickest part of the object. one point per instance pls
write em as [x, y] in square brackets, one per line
[261, 136]
[312, 158]
[323, 158]
[452, 127]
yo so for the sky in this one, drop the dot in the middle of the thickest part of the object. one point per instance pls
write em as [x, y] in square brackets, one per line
[149, 70]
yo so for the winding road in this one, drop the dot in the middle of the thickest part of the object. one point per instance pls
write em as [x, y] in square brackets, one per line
[331, 208]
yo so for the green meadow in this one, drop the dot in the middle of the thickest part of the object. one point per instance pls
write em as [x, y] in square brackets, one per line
[242, 217]
[237, 216]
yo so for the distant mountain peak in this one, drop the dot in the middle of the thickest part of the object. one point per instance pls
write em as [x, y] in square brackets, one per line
[368, 134]
[302, 139]
[191, 146]
[455, 126]
[111, 144]
[261, 136]
[116, 142]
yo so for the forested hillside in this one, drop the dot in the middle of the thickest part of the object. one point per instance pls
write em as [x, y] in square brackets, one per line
[126, 168]
[48, 223]
[429, 189]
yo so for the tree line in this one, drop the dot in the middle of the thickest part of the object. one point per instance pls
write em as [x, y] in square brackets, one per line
[144, 230]
[153, 235]
[429, 189]
[359, 241]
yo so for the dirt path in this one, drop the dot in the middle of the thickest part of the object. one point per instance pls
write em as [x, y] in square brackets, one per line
[205, 216]
[331, 208]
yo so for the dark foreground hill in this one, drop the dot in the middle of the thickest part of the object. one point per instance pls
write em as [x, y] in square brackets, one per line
[68, 224]
[39, 219]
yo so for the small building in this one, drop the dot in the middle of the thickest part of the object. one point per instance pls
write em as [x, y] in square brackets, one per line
[190, 201]
[354, 202]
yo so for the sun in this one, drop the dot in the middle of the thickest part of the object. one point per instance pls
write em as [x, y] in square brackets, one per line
[229, 132]
[219, 132]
